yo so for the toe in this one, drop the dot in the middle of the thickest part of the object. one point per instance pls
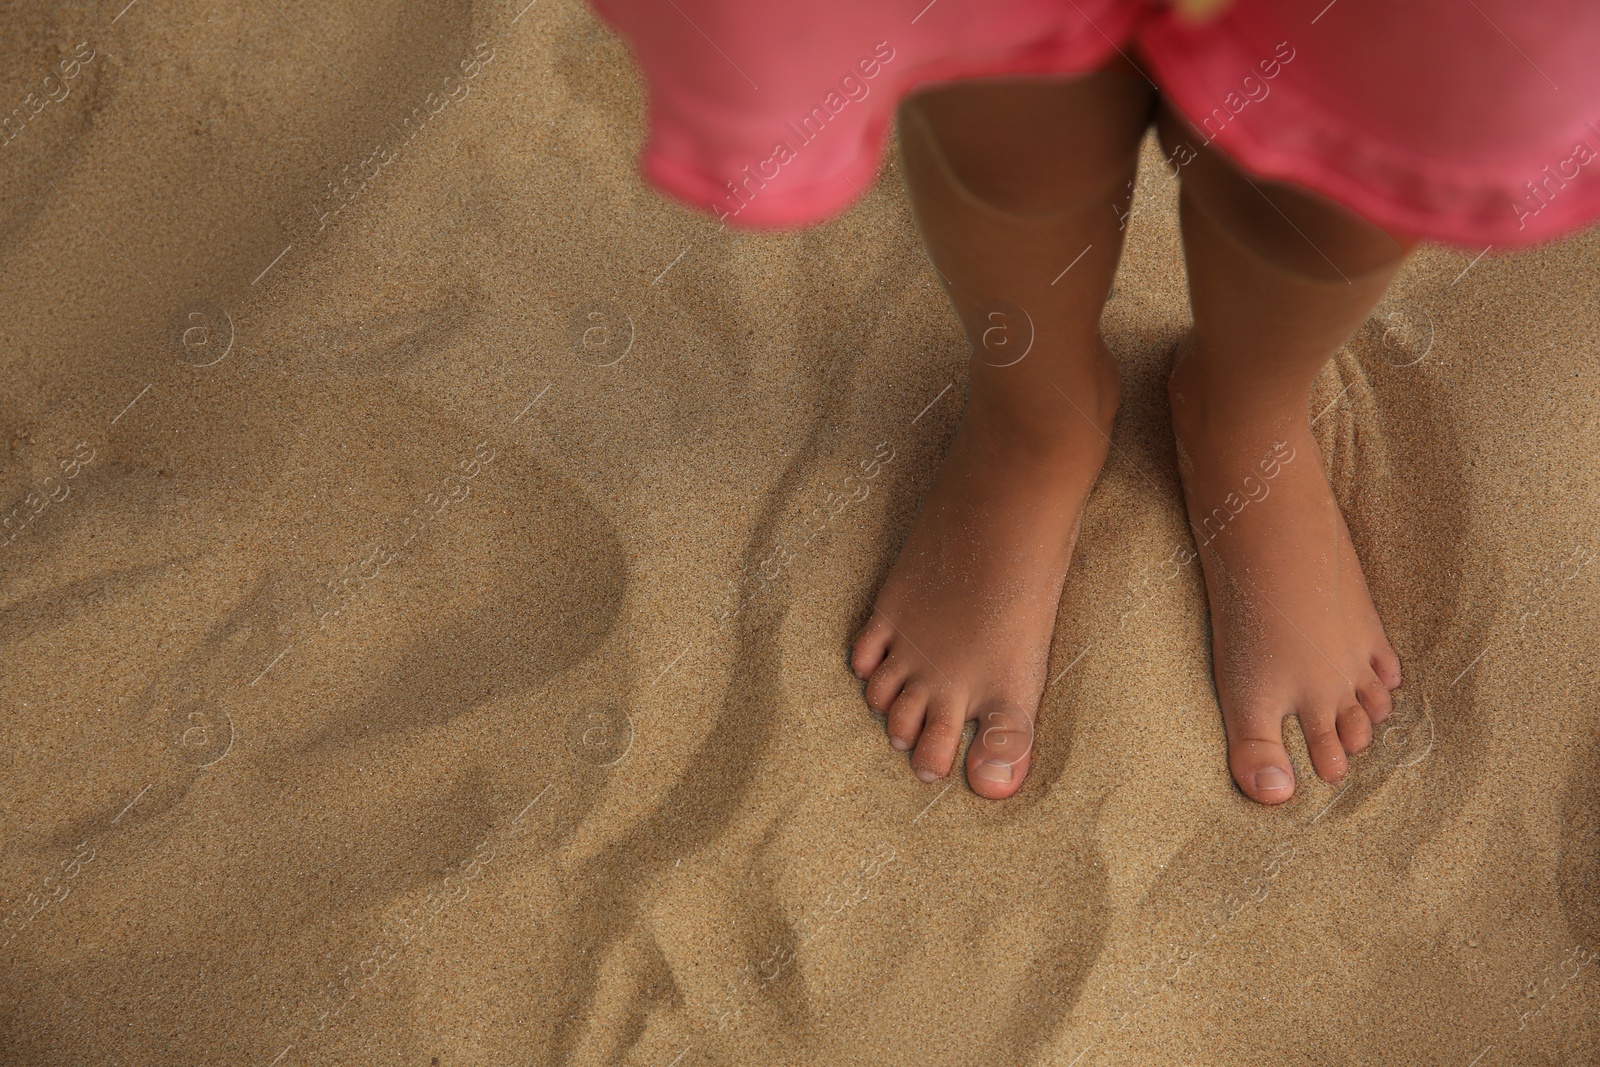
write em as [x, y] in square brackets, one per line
[1375, 699]
[1386, 665]
[1258, 760]
[1322, 741]
[1261, 769]
[1354, 728]
[905, 718]
[997, 759]
[885, 684]
[935, 753]
[872, 644]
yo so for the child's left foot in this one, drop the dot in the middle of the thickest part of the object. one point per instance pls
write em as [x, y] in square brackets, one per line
[1293, 628]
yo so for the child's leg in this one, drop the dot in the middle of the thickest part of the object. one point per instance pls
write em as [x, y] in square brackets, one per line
[1276, 288]
[1016, 185]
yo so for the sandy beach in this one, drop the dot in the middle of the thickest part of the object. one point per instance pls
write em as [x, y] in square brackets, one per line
[424, 602]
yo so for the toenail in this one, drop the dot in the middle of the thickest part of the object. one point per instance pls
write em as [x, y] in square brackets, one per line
[927, 776]
[899, 744]
[1273, 778]
[993, 771]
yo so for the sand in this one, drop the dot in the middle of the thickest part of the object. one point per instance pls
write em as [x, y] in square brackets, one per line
[424, 630]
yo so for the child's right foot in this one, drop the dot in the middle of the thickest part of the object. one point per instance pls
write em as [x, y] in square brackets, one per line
[961, 628]
[1293, 628]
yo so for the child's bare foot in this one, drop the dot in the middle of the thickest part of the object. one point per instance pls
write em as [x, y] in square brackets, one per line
[1293, 628]
[961, 628]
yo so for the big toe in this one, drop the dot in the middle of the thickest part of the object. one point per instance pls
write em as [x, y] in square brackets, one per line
[1262, 769]
[1000, 753]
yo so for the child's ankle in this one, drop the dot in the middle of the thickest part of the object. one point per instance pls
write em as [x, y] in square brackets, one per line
[1061, 417]
[1203, 405]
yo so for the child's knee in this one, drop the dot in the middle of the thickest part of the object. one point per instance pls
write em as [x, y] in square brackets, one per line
[1033, 147]
[1292, 228]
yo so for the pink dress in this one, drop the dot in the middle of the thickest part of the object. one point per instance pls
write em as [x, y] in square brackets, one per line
[1474, 122]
